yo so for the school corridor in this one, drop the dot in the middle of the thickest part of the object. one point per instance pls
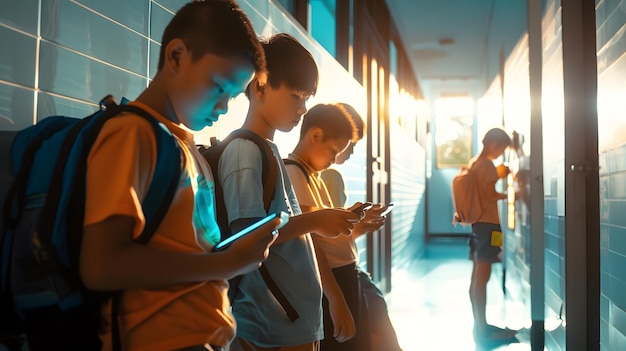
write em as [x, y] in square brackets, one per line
[430, 308]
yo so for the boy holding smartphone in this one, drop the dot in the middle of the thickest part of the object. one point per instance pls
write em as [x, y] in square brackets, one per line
[174, 287]
[278, 104]
[328, 130]
[377, 332]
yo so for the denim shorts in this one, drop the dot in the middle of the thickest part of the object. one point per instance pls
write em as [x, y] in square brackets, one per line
[486, 242]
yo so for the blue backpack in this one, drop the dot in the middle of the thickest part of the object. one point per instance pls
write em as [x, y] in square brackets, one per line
[42, 185]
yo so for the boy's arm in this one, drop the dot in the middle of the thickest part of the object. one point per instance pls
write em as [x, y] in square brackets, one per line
[328, 222]
[343, 322]
[111, 260]
[502, 171]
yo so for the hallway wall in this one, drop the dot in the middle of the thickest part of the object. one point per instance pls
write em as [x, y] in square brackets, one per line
[515, 215]
[63, 56]
[408, 192]
[553, 177]
[611, 44]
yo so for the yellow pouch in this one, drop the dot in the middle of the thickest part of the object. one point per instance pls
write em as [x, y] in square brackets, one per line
[496, 238]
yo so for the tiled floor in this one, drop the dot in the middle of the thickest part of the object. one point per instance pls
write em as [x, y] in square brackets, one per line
[430, 308]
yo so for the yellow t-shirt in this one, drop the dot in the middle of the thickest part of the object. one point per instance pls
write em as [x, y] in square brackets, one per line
[340, 251]
[335, 186]
[120, 167]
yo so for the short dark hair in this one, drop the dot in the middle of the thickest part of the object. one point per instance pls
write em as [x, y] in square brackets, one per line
[219, 27]
[332, 119]
[290, 63]
[356, 118]
[496, 136]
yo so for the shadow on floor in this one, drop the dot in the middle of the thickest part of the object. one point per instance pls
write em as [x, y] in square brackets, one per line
[430, 308]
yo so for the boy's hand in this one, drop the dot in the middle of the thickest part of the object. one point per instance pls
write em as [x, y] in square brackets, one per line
[360, 208]
[502, 170]
[332, 222]
[372, 220]
[343, 322]
[248, 252]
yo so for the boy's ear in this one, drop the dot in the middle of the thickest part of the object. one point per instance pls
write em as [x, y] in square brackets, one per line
[258, 90]
[174, 51]
[316, 135]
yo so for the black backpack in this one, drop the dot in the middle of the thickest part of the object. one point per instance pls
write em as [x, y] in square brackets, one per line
[290, 162]
[42, 187]
[269, 175]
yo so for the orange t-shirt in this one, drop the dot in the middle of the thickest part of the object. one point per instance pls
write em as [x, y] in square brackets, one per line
[487, 177]
[120, 167]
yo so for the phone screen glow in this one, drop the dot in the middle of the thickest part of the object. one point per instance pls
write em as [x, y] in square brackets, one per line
[243, 232]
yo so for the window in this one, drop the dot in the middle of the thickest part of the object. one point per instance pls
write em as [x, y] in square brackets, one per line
[454, 120]
[289, 5]
[322, 23]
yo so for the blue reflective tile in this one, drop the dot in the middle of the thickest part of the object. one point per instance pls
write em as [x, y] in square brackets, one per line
[614, 21]
[133, 14]
[16, 107]
[158, 21]
[69, 74]
[172, 5]
[155, 50]
[20, 14]
[616, 340]
[615, 290]
[616, 159]
[71, 25]
[17, 58]
[615, 263]
[618, 320]
[616, 210]
[260, 17]
[617, 239]
[49, 105]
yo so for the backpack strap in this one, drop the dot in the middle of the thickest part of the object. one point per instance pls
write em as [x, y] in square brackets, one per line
[157, 201]
[288, 161]
[268, 176]
[269, 168]
[159, 197]
[291, 312]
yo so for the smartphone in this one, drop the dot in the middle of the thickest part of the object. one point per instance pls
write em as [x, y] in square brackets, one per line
[362, 208]
[388, 209]
[284, 218]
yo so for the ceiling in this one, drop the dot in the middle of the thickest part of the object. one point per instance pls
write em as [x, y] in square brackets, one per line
[455, 45]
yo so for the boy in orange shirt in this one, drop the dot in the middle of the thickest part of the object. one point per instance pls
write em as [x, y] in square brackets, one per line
[486, 237]
[174, 288]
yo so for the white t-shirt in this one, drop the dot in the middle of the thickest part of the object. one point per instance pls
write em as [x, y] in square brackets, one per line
[260, 318]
